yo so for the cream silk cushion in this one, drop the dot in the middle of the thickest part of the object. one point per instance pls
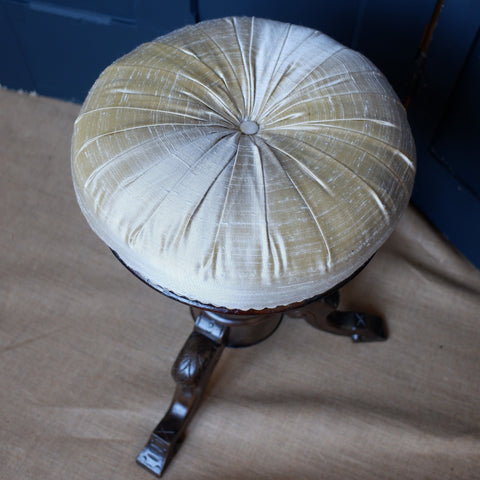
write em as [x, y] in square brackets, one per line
[243, 163]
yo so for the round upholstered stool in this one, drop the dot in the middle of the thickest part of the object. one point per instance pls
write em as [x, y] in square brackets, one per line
[245, 167]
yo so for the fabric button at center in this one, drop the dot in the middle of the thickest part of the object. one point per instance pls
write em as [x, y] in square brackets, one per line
[248, 127]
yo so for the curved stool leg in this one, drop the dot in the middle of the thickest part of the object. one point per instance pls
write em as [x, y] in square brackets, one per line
[323, 315]
[191, 371]
[202, 350]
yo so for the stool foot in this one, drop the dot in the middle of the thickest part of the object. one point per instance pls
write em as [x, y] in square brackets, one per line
[191, 371]
[322, 314]
[359, 326]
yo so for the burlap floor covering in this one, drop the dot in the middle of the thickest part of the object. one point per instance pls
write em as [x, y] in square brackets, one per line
[86, 350]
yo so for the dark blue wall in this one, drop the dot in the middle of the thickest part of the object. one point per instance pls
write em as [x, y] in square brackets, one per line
[59, 47]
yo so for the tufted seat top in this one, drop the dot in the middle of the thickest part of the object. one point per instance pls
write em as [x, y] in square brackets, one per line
[243, 163]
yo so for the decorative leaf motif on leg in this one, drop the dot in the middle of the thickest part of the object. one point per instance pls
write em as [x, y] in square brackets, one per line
[193, 359]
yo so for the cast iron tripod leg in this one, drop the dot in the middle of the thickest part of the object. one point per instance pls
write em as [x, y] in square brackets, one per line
[191, 371]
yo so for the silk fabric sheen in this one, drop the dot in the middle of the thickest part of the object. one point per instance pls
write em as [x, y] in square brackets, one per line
[166, 176]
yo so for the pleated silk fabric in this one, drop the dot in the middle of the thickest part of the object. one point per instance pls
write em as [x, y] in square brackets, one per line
[243, 163]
